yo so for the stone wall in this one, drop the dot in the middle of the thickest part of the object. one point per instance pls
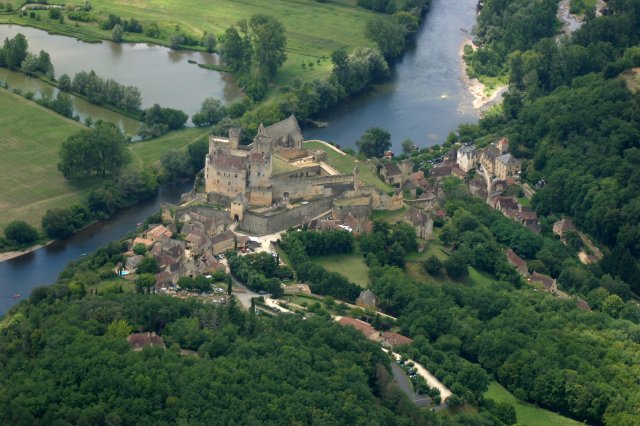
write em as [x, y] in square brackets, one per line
[269, 223]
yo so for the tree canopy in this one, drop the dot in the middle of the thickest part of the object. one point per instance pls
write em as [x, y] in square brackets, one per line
[374, 142]
[101, 151]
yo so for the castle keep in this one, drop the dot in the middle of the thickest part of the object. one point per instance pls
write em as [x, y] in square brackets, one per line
[245, 176]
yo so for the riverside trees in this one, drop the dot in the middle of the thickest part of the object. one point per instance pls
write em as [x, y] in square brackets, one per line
[255, 51]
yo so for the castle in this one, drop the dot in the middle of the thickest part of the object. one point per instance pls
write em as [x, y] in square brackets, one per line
[274, 169]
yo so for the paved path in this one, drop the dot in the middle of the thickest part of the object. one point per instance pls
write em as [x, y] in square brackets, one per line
[431, 380]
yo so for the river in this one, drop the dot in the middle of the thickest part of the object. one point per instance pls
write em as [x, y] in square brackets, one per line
[427, 97]
[163, 75]
[425, 101]
[21, 274]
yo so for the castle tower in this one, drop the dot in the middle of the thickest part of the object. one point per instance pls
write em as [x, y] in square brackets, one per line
[234, 138]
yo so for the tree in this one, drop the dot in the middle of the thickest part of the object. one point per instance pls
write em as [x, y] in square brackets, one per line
[146, 281]
[613, 305]
[140, 249]
[64, 83]
[407, 146]
[176, 40]
[230, 286]
[148, 265]
[14, 51]
[58, 223]
[234, 50]
[176, 165]
[388, 34]
[269, 44]
[432, 265]
[117, 33]
[456, 266]
[20, 232]
[210, 113]
[209, 42]
[374, 142]
[100, 151]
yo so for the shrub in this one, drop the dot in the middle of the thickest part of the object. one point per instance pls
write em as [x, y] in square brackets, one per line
[20, 232]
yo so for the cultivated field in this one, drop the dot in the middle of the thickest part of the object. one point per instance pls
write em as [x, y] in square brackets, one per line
[30, 183]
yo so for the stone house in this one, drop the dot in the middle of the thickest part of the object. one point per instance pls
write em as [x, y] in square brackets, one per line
[197, 241]
[159, 233]
[550, 285]
[507, 166]
[518, 263]
[503, 145]
[467, 157]
[421, 221]
[478, 187]
[458, 172]
[358, 226]
[488, 159]
[391, 173]
[223, 242]
[138, 341]
[562, 226]
[367, 300]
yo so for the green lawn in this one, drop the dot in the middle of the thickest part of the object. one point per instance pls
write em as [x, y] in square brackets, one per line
[391, 216]
[527, 414]
[30, 138]
[281, 166]
[352, 266]
[314, 29]
[147, 153]
[345, 164]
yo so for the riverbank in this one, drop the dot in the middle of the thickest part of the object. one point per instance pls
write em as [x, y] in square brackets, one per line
[13, 254]
[483, 97]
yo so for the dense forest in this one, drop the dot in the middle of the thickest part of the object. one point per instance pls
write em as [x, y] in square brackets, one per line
[65, 358]
[571, 115]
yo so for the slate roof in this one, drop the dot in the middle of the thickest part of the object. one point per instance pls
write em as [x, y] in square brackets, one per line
[228, 162]
[392, 169]
[140, 340]
[367, 297]
[223, 236]
[286, 128]
[508, 159]
[417, 217]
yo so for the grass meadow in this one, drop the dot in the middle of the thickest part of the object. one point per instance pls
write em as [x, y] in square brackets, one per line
[314, 29]
[30, 140]
[30, 183]
[527, 414]
[352, 266]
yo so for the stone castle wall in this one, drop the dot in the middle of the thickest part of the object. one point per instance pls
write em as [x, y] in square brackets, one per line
[262, 224]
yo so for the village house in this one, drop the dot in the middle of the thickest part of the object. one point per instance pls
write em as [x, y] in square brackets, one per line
[159, 233]
[391, 173]
[358, 226]
[223, 242]
[367, 300]
[458, 172]
[518, 263]
[562, 226]
[139, 341]
[510, 207]
[507, 166]
[478, 187]
[421, 221]
[549, 284]
[467, 157]
[488, 159]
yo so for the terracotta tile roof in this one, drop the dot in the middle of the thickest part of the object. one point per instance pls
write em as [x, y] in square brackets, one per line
[365, 328]
[159, 232]
[516, 260]
[395, 339]
[545, 280]
[140, 340]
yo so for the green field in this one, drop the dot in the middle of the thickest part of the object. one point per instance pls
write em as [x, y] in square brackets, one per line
[314, 29]
[345, 164]
[527, 414]
[352, 266]
[30, 138]
[147, 153]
